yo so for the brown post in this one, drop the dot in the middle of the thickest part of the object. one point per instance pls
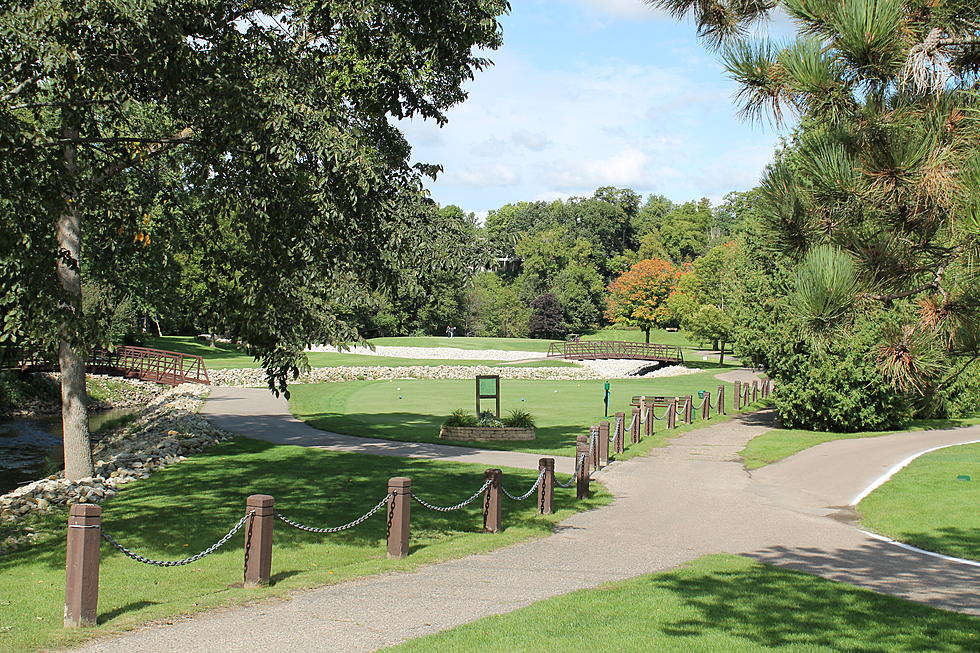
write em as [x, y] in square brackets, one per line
[399, 516]
[582, 480]
[688, 409]
[603, 443]
[649, 419]
[491, 502]
[745, 399]
[594, 445]
[582, 444]
[546, 489]
[755, 391]
[618, 445]
[765, 388]
[738, 395]
[635, 425]
[642, 407]
[721, 399]
[621, 427]
[672, 414]
[82, 565]
[706, 405]
[258, 539]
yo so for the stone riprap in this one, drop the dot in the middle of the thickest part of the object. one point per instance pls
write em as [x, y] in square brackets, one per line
[165, 432]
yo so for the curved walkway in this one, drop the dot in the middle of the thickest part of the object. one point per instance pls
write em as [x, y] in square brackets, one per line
[686, 500]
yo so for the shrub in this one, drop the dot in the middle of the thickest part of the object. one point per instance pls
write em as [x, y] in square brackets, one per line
[519, 419]
[488, 419]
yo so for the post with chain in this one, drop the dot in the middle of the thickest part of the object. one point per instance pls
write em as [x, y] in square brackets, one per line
[594, 446]
[706, 406]
[642, 407]
[745, 391]
[546, 488]
[582, 471]
[672, 414]
[491, 502]
[258, 539]
[618, 445]
[635, 425]
[603, 429]
[399, 516]
[82, 565]
[688, 409]
[621, 427]
[738, 395]
[582, 444]
[650, 419]
[721, 399]
[755, 391]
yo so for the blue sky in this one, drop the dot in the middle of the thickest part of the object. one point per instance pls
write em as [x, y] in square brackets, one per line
[590, 93]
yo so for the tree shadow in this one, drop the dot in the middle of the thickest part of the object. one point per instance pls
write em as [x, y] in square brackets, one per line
[949, 540]
[106, 617]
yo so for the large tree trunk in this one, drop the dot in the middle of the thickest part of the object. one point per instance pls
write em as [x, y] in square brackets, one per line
[74, 413]
[647, 331]
[721, 357]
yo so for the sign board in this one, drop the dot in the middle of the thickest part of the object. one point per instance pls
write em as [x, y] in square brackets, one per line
[488, 387]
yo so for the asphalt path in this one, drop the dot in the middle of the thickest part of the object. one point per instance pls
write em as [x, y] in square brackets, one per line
[683, 501]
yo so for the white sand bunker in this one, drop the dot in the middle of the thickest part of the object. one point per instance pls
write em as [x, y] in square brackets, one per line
[449, 353]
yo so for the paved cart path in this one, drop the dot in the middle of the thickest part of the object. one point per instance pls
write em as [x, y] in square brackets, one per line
[686, 500]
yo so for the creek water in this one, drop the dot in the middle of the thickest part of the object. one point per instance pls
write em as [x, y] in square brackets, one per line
[31, 448]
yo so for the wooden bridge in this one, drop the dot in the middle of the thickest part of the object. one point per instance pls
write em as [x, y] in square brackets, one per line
[602, 349]
[158, 365]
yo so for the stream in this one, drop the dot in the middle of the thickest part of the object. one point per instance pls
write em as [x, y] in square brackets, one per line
[30, 448]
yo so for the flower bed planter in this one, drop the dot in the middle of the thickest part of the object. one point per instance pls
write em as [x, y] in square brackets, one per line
[485, 433]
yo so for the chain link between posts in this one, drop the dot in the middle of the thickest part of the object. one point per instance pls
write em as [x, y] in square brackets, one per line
[336, 529]
[578, 466]
[184, 561]
[526, 494]
[459, 505]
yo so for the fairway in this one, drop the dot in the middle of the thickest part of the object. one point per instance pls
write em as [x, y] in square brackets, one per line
[412, 410]
[931, 504]
[658, 336]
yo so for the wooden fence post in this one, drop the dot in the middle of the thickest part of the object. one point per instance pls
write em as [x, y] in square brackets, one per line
[635, 425]
[603, 443]
[546, 489]
[755, 391]
[721, 399]
[399, 516]
[582, 478]
[621, 427]
[82, 565]
[258, 539]
[650, 419]
[618, 445]
[672, 414]
[688, 409]
[491, 502]
[738, 395]
[706, 406]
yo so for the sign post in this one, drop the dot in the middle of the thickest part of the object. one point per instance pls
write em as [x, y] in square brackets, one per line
[487, 387]
[605, 399]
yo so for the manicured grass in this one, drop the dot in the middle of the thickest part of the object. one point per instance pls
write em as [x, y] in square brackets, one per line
[187, 507]
[927, 506]
[228, 356]
[413, 409]
[713, 604]
[658, 336]
[777, 444]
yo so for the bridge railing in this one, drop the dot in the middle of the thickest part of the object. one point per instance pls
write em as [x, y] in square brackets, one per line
[601, 349]
[160, 365]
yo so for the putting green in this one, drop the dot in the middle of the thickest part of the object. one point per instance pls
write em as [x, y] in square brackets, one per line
[412, 410]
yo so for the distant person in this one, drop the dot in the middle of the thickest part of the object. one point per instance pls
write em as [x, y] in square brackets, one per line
[449, 331]
[452, 332]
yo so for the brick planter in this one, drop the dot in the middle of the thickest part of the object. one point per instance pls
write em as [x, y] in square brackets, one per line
[485, 433]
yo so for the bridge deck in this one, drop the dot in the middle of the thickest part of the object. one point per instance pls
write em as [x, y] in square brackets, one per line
[158, 365]
[603, 349]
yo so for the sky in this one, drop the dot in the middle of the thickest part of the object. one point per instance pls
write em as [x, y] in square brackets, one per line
[591, 93]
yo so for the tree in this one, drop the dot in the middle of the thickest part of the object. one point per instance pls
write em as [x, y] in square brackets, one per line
[874, 201]
[277, 119]
[493, 308]
[547, 318]
[639, 297]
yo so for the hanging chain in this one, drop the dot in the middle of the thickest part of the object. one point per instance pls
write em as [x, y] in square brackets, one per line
[578, 466]
[458, 505]
[526, 494]
[248, 544]
[185, 561]
[336, 529]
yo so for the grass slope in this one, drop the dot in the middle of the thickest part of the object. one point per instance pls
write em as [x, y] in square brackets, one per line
[187, 507]
[533, 344]
[716, 603]
[927, 506]
[412, 410]
[778, 444]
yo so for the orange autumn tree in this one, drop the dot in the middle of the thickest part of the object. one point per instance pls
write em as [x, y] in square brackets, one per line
[639, 297]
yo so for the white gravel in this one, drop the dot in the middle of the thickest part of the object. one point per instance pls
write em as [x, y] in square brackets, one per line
[450, 353]
[614, 368]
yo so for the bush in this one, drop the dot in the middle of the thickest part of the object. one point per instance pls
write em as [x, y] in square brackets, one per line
[489, 420]
[959, 397]
[519, 419]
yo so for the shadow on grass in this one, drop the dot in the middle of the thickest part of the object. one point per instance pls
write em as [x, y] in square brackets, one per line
[185, 508]
[123, 609]
[950, 540]
[775, 608]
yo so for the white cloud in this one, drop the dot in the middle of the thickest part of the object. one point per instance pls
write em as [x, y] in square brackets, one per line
[630, 9]
[625, 168]
[495, 175]
[534, 142]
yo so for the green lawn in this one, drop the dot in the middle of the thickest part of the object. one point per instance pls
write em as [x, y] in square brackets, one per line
[185, 508]
[777, 444]
[413, 409]
[927, 506]
[228, 356]
[532, 344]
[715, 604]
